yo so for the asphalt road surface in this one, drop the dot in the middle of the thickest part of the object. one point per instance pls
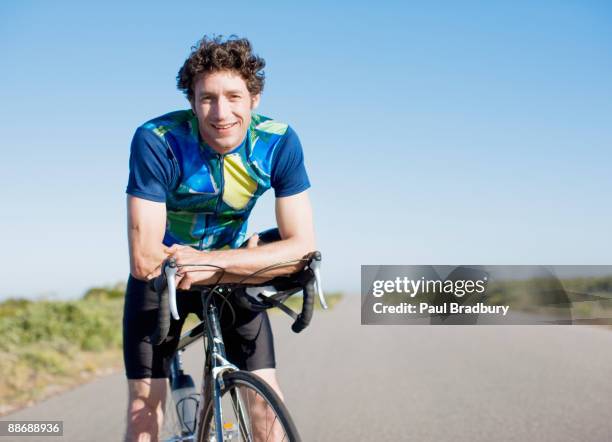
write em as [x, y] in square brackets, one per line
[347, 382]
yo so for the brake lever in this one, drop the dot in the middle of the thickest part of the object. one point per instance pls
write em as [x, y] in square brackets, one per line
[315, 265]
[170, 270]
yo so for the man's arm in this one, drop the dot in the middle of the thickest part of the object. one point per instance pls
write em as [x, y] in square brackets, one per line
[295, 223]
[146, 227]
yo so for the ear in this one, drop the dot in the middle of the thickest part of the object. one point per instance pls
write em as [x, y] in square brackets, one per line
[255, 101]
[192, 104]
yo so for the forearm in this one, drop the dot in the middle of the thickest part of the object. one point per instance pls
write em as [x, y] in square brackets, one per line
[248, 261]
[244, 262]
[228, 278]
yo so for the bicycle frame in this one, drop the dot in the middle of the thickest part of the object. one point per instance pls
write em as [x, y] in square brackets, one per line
[218, 364]
[215, 365]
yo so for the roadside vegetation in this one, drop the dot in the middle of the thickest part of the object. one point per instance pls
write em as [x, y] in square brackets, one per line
[47, 346]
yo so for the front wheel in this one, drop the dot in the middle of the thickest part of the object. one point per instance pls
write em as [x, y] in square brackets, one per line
[251, 412]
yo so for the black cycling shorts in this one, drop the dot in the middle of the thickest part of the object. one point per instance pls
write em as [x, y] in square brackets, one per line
[248, 343]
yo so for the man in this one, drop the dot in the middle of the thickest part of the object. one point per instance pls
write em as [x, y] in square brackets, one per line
[194, 177]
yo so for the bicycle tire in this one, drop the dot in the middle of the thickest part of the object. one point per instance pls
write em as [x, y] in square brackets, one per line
[244, 380]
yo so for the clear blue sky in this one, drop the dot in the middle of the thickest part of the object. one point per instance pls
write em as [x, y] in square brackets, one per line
[436, 133]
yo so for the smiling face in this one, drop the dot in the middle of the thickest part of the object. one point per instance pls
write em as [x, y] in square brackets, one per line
[223, 105]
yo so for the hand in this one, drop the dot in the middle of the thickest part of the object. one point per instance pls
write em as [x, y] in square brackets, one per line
[186, 274]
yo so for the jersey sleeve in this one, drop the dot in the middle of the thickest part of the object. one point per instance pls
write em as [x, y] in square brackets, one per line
[288, 175]
[150, 167]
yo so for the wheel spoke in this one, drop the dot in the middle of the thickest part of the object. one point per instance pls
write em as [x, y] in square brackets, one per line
[242, 414]
[272, 426]
[266, 418]
[249, 408]
[254, 408]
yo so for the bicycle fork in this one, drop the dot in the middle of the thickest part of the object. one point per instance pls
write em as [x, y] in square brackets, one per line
[219, 366]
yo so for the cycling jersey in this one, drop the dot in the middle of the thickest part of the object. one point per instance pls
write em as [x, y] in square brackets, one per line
[208, 195]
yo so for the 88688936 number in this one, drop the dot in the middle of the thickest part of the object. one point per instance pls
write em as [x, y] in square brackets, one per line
[40, 428]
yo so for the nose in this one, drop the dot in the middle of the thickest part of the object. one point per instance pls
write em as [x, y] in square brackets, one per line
[221, 109]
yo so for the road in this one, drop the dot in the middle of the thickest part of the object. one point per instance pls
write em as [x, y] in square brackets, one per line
[348, 382]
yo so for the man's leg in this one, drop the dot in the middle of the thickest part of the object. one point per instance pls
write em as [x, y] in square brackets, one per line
[145, 409]
[146, 365]
[269, 376]
[265, 425]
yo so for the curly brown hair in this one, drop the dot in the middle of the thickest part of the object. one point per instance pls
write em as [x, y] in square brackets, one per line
[219, 54]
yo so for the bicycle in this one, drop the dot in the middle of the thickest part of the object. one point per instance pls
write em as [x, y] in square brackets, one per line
[231, 399]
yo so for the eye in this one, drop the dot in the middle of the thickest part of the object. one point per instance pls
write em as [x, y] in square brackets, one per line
[235, 97]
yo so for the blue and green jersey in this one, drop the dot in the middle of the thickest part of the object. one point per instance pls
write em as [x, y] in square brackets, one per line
[209, 196]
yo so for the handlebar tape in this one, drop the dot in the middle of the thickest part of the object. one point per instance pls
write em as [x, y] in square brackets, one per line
[304, 318]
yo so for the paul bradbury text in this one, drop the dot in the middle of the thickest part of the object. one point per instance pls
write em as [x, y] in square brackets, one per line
[424, 308]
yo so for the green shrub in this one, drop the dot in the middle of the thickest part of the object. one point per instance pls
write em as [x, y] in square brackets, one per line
[102, 293]
[88, 324]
